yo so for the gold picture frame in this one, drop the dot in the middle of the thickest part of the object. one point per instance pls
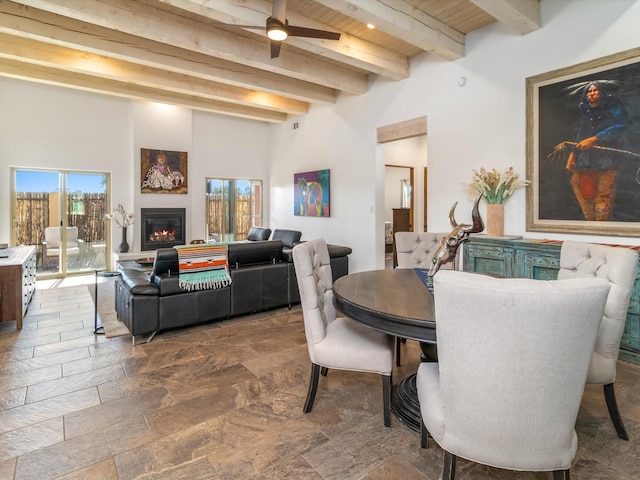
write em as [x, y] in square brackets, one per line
[578, 184]
[163, 171]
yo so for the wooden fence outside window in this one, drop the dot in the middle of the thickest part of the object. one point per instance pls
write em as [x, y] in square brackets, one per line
[85, 211]
[217, 220]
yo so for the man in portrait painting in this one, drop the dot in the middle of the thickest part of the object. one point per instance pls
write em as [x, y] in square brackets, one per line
[599, 146]
[589, 148]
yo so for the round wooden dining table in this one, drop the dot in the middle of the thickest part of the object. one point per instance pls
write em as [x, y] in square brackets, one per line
[397, 302]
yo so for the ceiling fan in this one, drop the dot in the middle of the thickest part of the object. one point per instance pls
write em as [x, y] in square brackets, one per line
[278, 28]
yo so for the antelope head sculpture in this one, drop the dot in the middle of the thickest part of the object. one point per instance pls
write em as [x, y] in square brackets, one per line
[449, 245]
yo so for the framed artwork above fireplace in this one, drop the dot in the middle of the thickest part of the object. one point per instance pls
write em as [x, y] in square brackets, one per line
[163, 171]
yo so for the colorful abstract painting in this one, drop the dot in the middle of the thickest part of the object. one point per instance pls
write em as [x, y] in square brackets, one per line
[311, 194]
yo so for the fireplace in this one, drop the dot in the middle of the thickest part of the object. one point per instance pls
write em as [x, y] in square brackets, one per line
[162, 228]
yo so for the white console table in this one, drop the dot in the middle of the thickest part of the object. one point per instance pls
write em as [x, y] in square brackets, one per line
[121, 257]
[118, 258]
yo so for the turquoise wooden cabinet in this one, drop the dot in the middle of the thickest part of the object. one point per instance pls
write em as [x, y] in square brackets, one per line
[540, 259]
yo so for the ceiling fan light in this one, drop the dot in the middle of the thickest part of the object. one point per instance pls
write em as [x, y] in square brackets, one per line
[277, 34]
[276, 30]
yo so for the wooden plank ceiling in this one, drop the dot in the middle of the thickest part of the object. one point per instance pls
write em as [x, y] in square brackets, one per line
[184, 52]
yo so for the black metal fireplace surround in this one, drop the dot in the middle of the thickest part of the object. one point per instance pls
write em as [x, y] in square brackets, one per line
[162, 228]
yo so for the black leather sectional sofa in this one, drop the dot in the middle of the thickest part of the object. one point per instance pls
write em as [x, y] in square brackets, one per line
[262, 277]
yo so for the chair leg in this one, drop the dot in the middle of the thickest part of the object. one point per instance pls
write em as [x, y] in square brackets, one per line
[324, 371]
[386, 399]
[561, 475]
[449, 467]
[424, 435]
[313, 388]
[614, 413]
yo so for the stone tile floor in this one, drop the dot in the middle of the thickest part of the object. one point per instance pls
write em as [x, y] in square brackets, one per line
[224, 401]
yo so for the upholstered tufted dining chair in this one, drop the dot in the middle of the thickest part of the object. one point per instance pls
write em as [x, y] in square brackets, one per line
[513, 360]
[416, 250]
[618, 266]
[336, 342]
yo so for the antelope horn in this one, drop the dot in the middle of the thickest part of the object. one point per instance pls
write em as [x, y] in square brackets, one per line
[478, 224]
[452, 219]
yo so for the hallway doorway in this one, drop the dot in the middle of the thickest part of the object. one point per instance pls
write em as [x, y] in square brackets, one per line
[402, 149]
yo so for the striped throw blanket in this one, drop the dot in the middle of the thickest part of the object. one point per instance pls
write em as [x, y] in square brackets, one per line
[203, 267]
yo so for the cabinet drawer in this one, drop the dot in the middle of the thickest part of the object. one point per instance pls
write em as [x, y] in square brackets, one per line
[538, 267]
[491, 260]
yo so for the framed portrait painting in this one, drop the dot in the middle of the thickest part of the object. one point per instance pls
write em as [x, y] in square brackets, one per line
[163, 171]
[311, 194]
[583, 148]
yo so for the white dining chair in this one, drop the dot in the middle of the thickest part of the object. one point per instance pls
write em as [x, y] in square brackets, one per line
[618, 266]
[336, 342]
[416, 250]
[512, 366]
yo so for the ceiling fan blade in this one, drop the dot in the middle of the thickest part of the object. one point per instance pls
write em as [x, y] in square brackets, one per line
[275, 48]
[279, 11]
[312, 33]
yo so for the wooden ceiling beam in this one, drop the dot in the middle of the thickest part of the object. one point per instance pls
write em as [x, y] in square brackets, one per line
[53, 76]
[48, 27]
[521, 16]
[400, 19]
[348, 50]
[137, 18]
[70, 60]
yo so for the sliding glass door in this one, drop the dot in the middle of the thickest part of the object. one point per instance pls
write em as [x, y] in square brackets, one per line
[62, 213]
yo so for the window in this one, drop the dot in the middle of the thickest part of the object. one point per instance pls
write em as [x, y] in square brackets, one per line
[232, 207]
[60, 207]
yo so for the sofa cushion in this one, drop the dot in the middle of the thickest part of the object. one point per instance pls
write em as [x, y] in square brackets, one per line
[165, 263]
[258, 233]
[338, 251]
[290, 238]
[138, 282]
[254, 253]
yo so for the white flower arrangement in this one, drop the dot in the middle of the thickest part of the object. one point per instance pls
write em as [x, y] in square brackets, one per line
[496, 186]
[123, 219]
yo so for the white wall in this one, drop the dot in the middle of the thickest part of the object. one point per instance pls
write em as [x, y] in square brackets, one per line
[52, 127]
[480, 124]
[228, 148]
[217, 146]
[161, 127]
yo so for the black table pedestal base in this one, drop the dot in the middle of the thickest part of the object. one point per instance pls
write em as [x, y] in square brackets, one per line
[404, 402]
[404, 395]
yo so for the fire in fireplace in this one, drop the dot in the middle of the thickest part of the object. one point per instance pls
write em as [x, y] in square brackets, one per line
[162, 227]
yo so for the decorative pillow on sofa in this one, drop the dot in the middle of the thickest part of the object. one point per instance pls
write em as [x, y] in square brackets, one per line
[203, 267]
